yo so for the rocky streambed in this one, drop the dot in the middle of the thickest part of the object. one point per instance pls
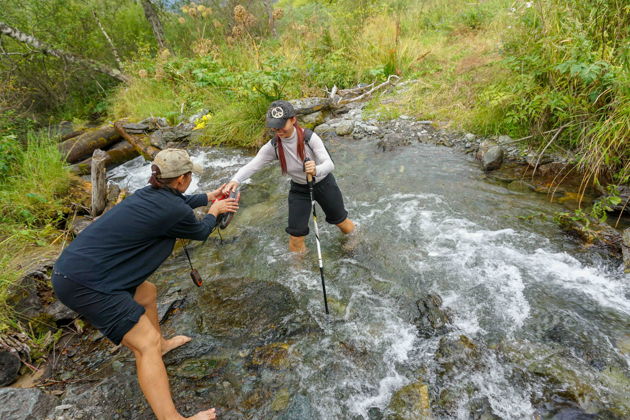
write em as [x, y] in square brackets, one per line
[456, 298]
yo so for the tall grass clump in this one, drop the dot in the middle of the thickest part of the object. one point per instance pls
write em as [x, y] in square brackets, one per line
[32, 203]
[568, 82]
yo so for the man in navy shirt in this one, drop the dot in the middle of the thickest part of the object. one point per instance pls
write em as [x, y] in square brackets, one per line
[102, 273]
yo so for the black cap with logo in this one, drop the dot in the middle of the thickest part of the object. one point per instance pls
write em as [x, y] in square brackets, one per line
[278, 114]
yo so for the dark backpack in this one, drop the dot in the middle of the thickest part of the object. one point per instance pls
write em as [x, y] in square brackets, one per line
[307, 139]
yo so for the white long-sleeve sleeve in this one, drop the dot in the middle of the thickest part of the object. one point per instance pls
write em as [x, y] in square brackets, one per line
[295, 167]
[265, 155]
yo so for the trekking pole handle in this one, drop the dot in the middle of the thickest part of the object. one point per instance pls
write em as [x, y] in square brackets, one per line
[309, 177]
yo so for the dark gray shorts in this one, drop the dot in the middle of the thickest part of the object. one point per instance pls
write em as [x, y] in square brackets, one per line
[113, 314]
[328, 196]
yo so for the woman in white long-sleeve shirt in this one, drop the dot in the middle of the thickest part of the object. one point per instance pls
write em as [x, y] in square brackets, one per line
[290, 146]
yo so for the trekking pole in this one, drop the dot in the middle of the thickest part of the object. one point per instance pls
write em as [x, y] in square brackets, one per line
[309, 179]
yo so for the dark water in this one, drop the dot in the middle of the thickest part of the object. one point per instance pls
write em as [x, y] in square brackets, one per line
[429, 221]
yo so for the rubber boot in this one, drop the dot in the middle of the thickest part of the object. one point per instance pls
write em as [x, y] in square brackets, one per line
[346, 226]
[296, 244]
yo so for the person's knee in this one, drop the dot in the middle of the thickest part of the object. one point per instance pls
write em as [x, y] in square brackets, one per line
[146, 294]
[150, 342]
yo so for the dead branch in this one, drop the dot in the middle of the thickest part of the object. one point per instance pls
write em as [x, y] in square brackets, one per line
[109, 40]
[48, 50]
[369, 92]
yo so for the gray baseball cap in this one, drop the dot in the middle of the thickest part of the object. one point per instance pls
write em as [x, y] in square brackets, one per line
[278, 113]
[175, 162]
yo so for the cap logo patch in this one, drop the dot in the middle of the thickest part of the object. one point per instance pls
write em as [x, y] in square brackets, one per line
[277, 112]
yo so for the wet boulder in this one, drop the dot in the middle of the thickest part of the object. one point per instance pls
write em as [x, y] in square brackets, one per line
[432, 320]
[250, 312]
[25, 403]
[492, 159]
[116, 396]
[490, 154]
[161, 138]
[10, 365]
[410, 402]
[592, 232]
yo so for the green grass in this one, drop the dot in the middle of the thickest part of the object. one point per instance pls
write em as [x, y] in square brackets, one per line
[492, 67]
[32, 205]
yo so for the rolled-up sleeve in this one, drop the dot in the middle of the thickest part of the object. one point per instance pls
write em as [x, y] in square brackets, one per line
[196, 200]
[191, 228]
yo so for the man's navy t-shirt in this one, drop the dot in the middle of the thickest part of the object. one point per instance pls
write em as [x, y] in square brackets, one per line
[128, 243]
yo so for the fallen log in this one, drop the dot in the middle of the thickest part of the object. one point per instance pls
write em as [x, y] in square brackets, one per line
[81, 147]
[73, 134]
[119, 153]
[141, 143]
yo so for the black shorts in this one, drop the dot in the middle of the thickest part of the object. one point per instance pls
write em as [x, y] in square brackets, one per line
[113, 314]
[326, 193]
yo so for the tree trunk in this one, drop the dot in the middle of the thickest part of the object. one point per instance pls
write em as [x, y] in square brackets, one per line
[48, 50]
[272, 23]
[156, 25]
[81, 147]
[141, 143]
[99, 182]
[120, 153]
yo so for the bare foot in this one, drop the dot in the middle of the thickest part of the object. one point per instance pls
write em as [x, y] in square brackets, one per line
[204, 415]
[173, 343]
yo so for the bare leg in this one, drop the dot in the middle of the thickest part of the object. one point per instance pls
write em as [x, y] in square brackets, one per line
[144, 341]
[346, 226]
[296, 244]
[146, 295]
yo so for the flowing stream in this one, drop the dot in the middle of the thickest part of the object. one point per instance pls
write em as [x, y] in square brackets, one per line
[429, 221]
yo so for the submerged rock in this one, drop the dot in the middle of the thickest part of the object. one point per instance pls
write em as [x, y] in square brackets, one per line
[432, 319]
[561, 375]
[25, 403]
[393, 142]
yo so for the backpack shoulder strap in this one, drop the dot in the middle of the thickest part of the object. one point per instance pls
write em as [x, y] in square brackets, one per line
[274, 143]
[307, 138]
